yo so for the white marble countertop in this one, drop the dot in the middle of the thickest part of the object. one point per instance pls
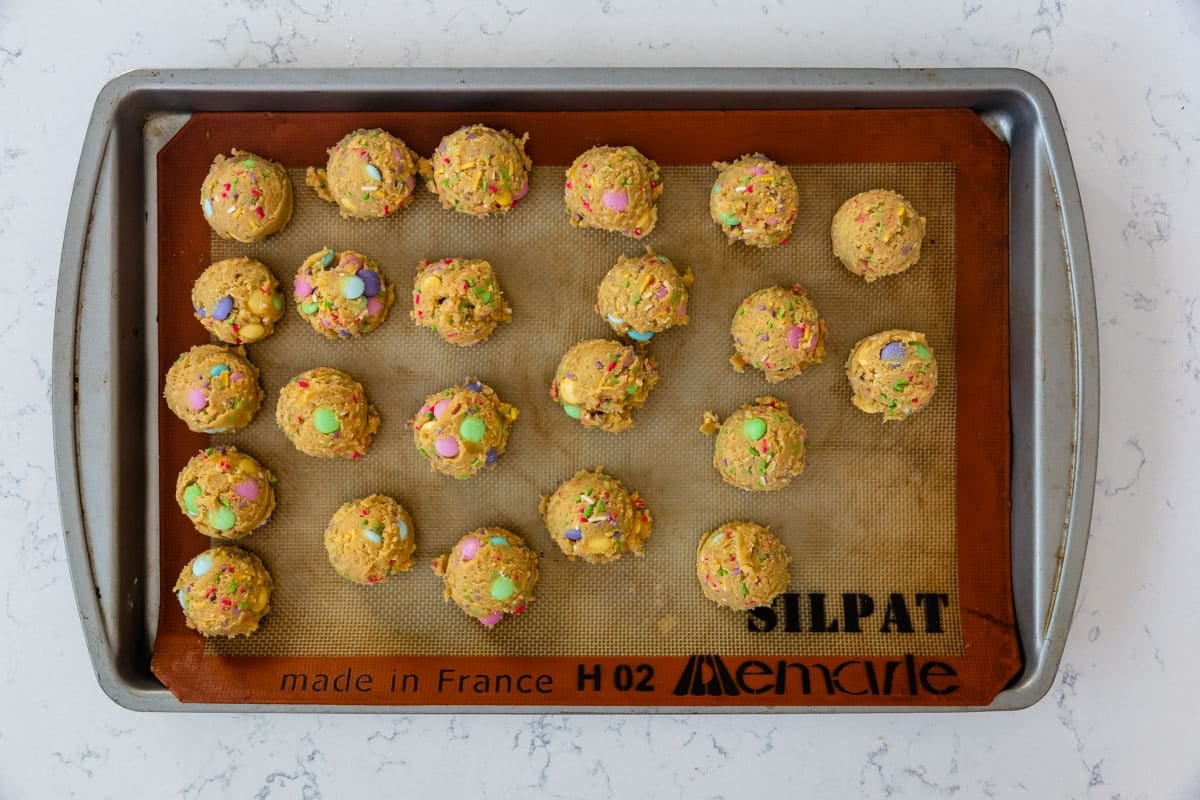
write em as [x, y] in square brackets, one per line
[1115, 723]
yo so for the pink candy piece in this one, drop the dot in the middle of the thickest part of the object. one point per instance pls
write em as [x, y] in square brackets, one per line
[350, 258]
[469, 548]
[491, 619]
[197, 399]
[440, 407]
[617, 201]
[794, 335]
[235, 377]
[683, 309]
[303, 287]
[757, 171]
[524, 190]
[447, 447]
[374, 305]
[247, 490]
[772, 220]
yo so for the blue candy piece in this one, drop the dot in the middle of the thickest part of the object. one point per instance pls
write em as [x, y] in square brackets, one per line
[372, 285]
[223, 308]
[639, 336]
[492, 455]
[574, 534]
[217, 370]
[615, 320]
[327, 259]
[353, 287]
[202, 565]
[373, 172]
[403, 529]
[199, 311]
[208, 207]
[893, 351]
[499, 541]
[372, 536]
[182, 595]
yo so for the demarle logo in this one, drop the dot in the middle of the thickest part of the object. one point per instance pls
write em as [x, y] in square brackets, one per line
[706, 676]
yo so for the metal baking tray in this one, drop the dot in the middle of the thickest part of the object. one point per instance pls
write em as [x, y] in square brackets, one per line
[104, 376]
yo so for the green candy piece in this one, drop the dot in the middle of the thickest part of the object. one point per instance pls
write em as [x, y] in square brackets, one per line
[309, 308]
[472, 429]
[754, 429]
[222, 518]
[730, 219]
[502, 588]
[572, 411]
[190, 495]
[277, 301]
[326, 421]
[921, 350]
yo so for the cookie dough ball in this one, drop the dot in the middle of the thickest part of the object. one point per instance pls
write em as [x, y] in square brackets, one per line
[479, 171]
[224, 591]
[246, 197]
[237, 300]
[892, 373]
[777, 331]
[600, 382]
[213, 388]
[489, 573]
[342, 294]
[594, 517]
[369, 539]
[225, 493]
[754, 201]
[759, 447]
[459, 299]
[643, 296]
[463, 429]
[325, 413]
[614, 189]
[370, 174]
[877, 233]
[742, 565]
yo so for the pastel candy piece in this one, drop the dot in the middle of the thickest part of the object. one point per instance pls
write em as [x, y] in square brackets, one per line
[197, 399]
[503, 588]
[757, 171]
[574, 534]
[524, 190]
[572, 411]
[202, 565]
[217, 370]
[729, 219]
[372, 536]
[182, 595]
[259, 303]
[469, 548]
[472, 429]
[248, 466]
[199, 311]
[492, 456]
[446, 447]
[352, 287]
[492, 618]
[208, 207]
[309, 308]
[794, 335]
[277, 301]
[474, 386]
[373, 172]
[247, 490]
[754, 429]
[616, 200]
[303, 287]
[223, 308]
[615, 320]
[403, 526]
[234, 377]
[371, 282]
[222, 518]
[252, 332]
[499, 541]
[326, 421]
[190, 495]
[374, 306]
[440, 407]
[641, 336]
[921, 350]
[893, 351]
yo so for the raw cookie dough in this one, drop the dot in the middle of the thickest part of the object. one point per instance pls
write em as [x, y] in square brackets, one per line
[742, 565]
[892, 373]
[777, 330]
[213, 388]
[759, 447]
[463, 429]
[369, 539]
[342, 294]
[643, 296]
[755, 201]
[226, 494]
[489, 573]
[224, 591]
[594, 517]
[459, 299]
[614, 189]
[877, 233]
[370, 174]
[479, 171]
[325, 413]
[600, 382]
[237, 300]
[246, 197]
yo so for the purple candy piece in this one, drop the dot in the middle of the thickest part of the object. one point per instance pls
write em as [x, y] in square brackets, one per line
[474, 386]
[371, 282]
[574, 534]
[492, 455]
[223, 308]
[199, 311]
[616, 200]
[893, 351]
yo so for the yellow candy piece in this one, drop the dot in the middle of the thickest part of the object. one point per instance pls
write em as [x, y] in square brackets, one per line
[504, 198]
[430, 283]
[252, 332]
[569, 392]
[259, 303]
[597, 545]
[248, 466]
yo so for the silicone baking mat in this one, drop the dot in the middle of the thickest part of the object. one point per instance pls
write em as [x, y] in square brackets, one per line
[879, 606]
